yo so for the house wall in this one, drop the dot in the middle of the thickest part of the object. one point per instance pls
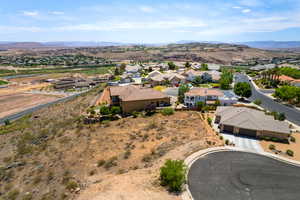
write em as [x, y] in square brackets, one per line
[130, 106]
[265, 133]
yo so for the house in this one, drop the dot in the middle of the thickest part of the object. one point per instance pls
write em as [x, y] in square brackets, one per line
[153, 74]
[132, 68]
[250, 122]
[126, 78]
[135, 98]
[209, 96]
[285, 79]
[174, 79]
[192, 74]
[205, 95]
[206, 76]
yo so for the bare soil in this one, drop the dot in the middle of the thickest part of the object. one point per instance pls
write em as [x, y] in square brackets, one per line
[294, 146]
[53, 155]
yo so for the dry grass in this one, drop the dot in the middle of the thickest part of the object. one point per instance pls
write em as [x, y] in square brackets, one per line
[52, 154]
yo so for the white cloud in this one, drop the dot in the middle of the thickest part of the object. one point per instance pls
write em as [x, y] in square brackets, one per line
[30, 13]
[56, 13]
[147, 9]
[246, 10]
[162, 24]
[251, 3]
[237, 7]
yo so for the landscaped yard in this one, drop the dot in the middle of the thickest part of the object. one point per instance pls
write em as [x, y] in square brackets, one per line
[3, 82]
[294, 146]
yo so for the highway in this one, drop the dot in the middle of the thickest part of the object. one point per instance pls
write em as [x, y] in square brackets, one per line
[291, 114]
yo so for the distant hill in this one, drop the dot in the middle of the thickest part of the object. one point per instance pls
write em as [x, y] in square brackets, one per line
[273, 44]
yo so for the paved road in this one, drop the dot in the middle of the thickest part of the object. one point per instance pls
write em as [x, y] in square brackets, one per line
[30, 110]
[243, 176]
[291, 114]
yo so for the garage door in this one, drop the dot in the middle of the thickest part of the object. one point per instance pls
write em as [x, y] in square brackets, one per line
[228, 128]
[247, 132]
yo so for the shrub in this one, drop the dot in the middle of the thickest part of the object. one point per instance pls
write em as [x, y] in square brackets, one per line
[226, 142]
[104, 110]
[127, 154]
[172, 175]
[100, 163]
[72, 185]
[257, 102]
[272, 147]
[209, 121]
[115, 110]
[167, 111]
[221, 137]
[293, 139]
[111, 163]
[12, 195]
[290, 152]
[7, 122]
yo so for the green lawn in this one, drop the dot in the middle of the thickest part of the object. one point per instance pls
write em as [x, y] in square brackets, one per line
[3, 82]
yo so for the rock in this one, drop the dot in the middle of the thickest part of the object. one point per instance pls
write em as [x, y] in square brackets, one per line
[14, 165]
[77, 190]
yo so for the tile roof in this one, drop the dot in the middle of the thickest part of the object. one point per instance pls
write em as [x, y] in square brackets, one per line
[285, 78]
[204, 92]
[136, 93]
[248, 118]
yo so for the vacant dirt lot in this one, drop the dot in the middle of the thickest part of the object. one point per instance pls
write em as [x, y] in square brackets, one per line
[14, 103]
[56, 156]
[294, 146]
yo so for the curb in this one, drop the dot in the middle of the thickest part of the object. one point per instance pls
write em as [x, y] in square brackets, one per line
[186, 195]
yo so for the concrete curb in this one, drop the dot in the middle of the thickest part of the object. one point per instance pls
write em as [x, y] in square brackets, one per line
[186, 195]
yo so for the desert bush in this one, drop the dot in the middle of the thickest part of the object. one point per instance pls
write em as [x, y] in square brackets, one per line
[100, 163]
[127, 154]
[71, 185]
[146, 158]
[221, 137]
[209, 121]
[27, 196]
[293, 139]
[290, 152]
[272, 147]
[111, 163]
[227, 142]
[172, 175]
[104, 110]
[6, 122]
[12, 195]
[167, 111]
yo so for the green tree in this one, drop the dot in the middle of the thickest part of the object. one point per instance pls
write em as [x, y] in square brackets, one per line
[172, 175]
[226, 79]
[204, 67]
[200, 105]
[197, 80]
[104, 110]
[115, 110]
[171, 65]
[187, 65]
[183, 88]
[243, 89]
[122, 68]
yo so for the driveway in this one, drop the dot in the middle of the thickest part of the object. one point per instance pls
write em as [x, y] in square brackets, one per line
[291, 114]
[244, 142]
[234, 175]
[171, 91]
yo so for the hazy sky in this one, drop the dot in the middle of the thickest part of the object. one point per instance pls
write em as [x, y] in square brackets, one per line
[149, 21]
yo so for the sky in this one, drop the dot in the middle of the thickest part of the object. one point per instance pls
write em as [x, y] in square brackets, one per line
[145, 21]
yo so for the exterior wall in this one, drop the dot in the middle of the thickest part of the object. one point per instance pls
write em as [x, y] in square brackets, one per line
[281, 136]
[130, 106]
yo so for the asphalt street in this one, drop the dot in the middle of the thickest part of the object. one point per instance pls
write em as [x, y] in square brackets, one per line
[243, 176]
[291, 114]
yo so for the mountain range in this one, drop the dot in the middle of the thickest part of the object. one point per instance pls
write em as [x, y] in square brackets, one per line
[253, 44]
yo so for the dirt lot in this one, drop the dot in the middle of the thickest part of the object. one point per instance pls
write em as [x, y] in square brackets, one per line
[294, 146]
[56, 156]
[14, 103]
